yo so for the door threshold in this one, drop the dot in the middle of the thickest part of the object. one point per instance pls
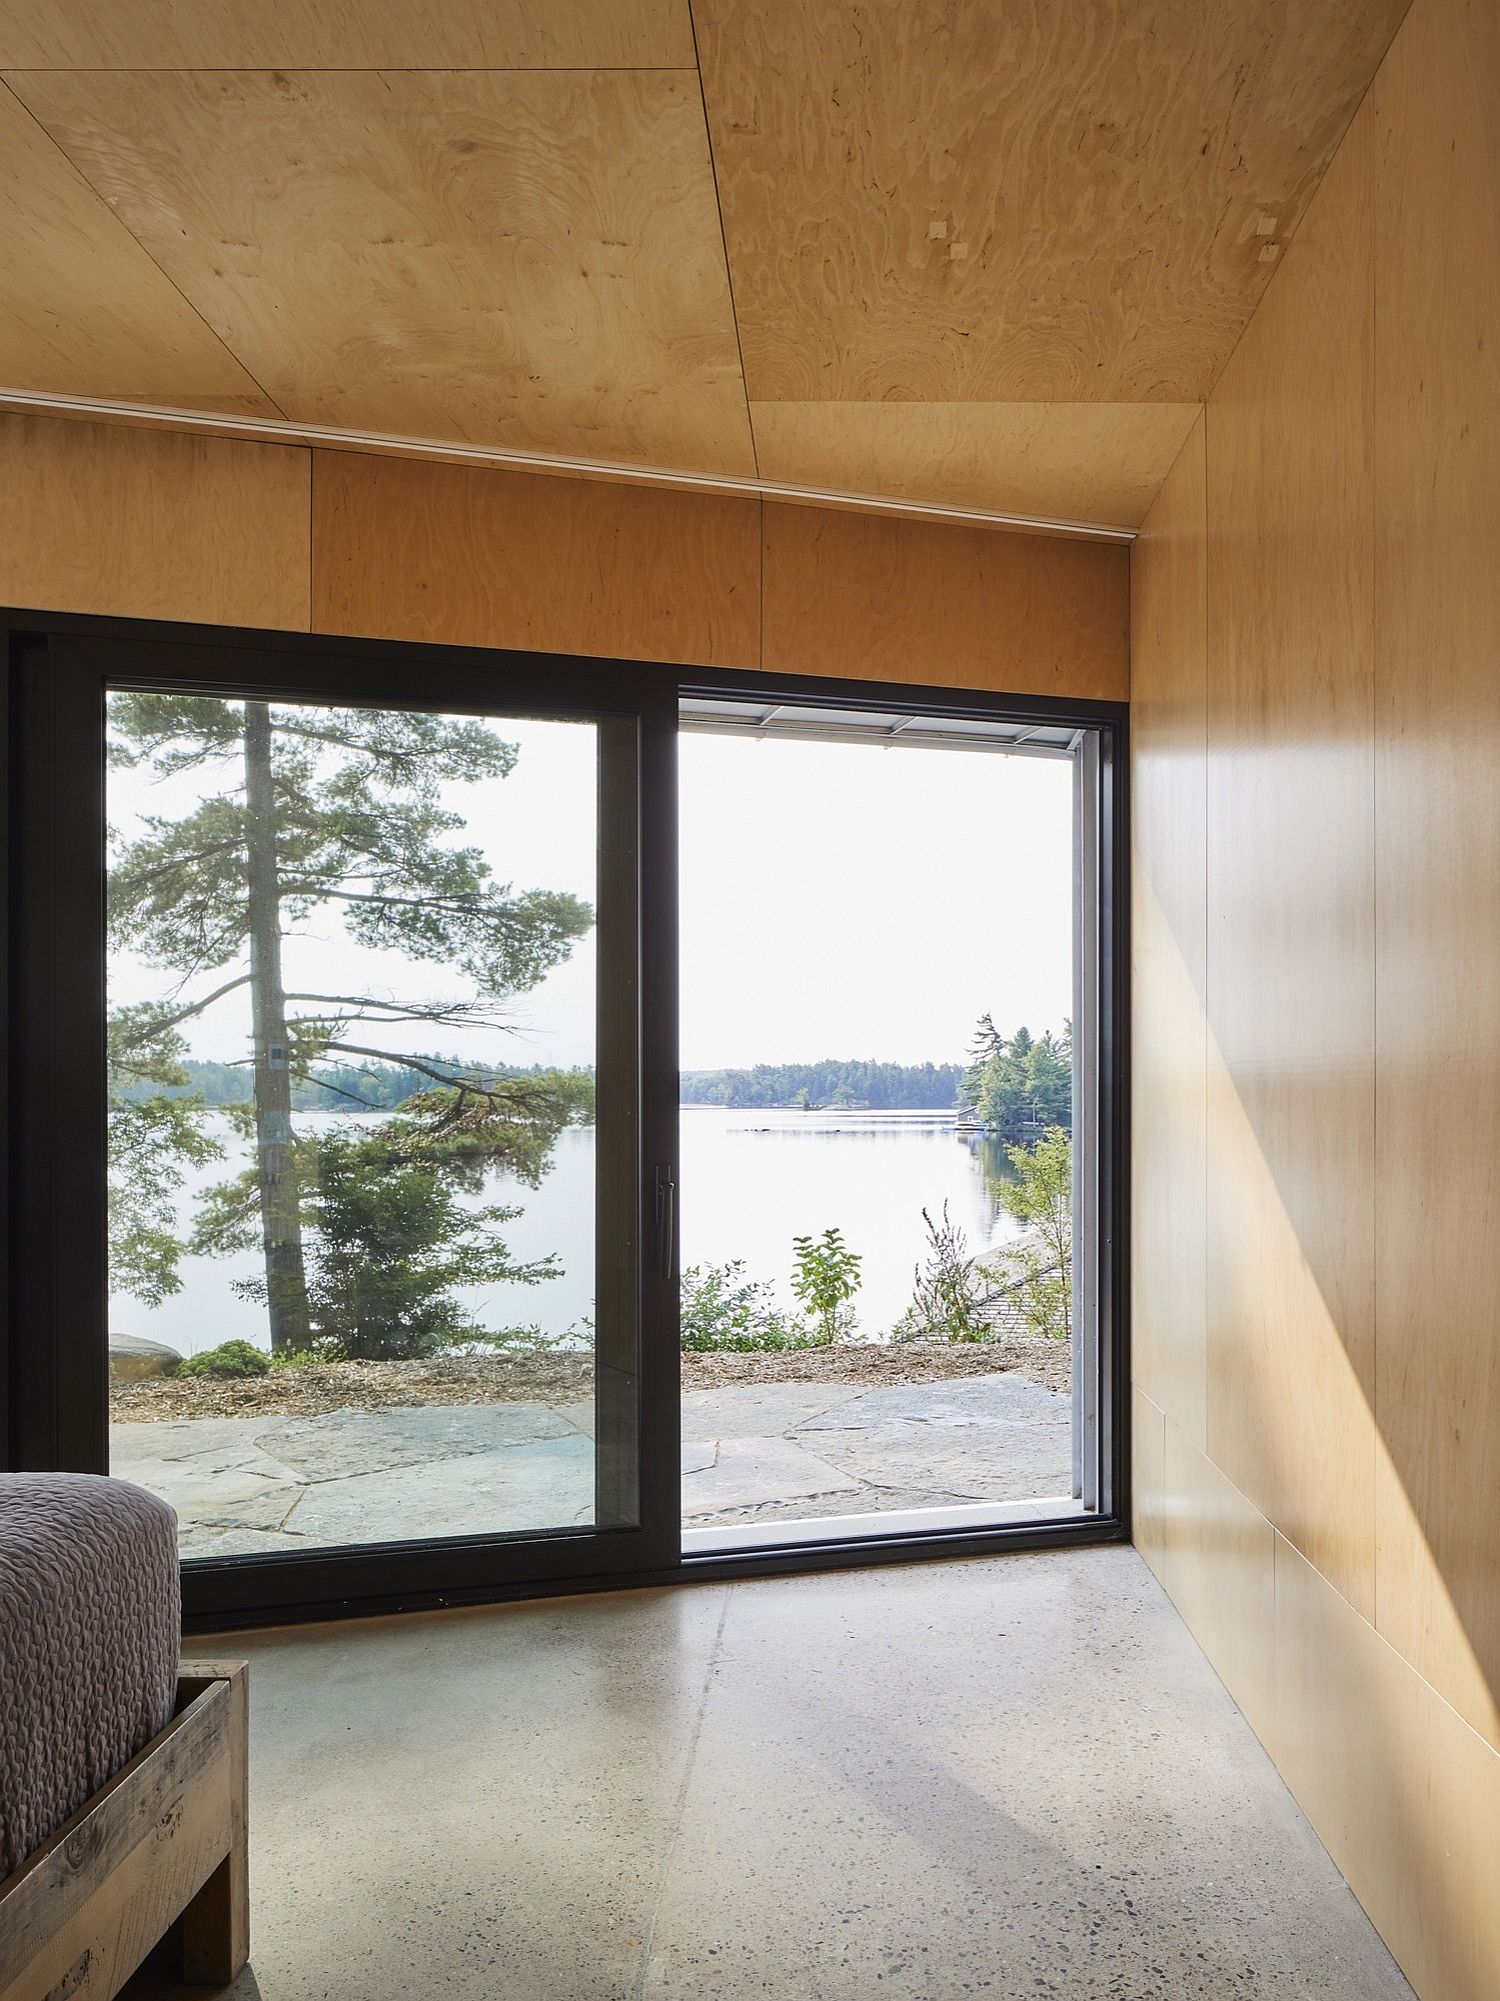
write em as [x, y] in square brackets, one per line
[736, 1537]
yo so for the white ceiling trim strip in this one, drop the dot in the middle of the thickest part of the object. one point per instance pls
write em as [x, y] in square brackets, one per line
[280, 430]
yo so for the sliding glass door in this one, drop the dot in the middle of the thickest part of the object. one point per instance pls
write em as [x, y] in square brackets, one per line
[343, 1098]
[889, 968]
[367, 1205]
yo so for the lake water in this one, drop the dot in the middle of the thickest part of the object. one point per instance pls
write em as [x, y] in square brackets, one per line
[750, 1182]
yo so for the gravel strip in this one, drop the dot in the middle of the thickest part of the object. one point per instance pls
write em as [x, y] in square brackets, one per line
[313, 1392]
[1044, 1362]
[561, 1379]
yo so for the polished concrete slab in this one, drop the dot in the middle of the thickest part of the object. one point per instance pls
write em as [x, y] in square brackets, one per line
[1010, 1778]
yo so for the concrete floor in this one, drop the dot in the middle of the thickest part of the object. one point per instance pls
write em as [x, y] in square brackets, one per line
[1006, 1778]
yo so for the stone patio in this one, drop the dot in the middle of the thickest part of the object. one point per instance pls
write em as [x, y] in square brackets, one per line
[752, 1452]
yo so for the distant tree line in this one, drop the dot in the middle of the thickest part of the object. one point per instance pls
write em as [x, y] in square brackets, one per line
[356, 1087]
[1017, 1086]
[828, 1086]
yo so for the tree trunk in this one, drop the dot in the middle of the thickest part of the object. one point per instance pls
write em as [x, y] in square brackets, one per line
[280, 1213]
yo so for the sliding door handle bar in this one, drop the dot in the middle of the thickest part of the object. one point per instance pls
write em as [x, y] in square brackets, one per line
[666, 1205]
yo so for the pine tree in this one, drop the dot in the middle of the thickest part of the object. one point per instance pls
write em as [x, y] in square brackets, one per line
[317, 816]
[1023, 1086]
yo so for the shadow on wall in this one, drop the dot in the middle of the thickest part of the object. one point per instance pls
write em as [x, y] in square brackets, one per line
[1290, 1419]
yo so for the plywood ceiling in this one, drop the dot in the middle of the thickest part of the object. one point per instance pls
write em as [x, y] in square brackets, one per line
[346, 34]
[1016, 202]
[81, 303]
[524, 258]
[986, 254]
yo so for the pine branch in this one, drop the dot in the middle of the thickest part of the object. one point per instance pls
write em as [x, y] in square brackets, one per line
[509, 1095]
[365, 1104]
[159, 1024]
[143, 877]
[455, 906]
[357, 746]
[442, 1014]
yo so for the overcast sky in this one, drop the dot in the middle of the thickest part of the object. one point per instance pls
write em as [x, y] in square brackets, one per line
[837, 900]
[847, 900]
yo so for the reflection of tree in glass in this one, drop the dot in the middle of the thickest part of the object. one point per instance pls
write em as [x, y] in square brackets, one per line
[992, 1165]
[318, 814]
[155, 1136]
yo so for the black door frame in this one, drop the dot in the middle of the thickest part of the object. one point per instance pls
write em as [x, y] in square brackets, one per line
[53, 1391]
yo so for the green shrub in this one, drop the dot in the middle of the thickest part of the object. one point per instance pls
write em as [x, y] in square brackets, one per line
[230, 1358]
[722, 1309]
[947, 1291]
[825, 1278]
[316, 1355]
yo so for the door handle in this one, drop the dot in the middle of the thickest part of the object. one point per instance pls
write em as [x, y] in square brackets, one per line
[666, 1205]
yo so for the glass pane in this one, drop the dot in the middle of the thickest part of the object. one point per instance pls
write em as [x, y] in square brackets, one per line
[877, 1179]
[352, 994]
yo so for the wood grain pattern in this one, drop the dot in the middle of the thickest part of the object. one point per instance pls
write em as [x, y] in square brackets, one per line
[1353, 962]
[1169, 1039]
[1404, 1795]
[964, 607]
[335, 34]
[1099, 462]
[64, 256]
[1031, 201]
[528, 259]
[483, 558]
[1148, 1481]
[1455, 1775]
[1436, 110]
[216, 1924]
[988, 256]
[1291, 911]
[153, 524]
[81, 1914]
[1219, 1566]
[1344, 1714]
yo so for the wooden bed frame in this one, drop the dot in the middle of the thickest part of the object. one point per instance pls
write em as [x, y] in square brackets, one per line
[163, 1844]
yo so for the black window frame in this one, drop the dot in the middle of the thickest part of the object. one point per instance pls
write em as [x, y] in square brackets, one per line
[52, 1388]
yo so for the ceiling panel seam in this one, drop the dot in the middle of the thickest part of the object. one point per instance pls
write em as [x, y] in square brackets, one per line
[734, 313]
[119, 221]
[347, 69]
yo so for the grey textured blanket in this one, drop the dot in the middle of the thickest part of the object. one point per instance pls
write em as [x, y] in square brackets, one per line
[90, 1632]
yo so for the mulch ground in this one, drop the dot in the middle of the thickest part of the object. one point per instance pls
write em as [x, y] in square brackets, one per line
[563, 1379]
[1044, 1362]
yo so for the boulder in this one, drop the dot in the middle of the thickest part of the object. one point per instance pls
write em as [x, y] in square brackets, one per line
[132, 1358]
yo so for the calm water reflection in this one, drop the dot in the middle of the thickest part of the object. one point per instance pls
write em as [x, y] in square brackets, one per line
[751, 1181]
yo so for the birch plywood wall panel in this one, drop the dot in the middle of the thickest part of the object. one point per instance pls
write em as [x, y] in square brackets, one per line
[1353, 955]
[478, 557]
[152, 524]
[1436, 117]
[1169, 1051]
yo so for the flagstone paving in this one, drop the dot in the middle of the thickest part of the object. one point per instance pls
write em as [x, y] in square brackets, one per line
[751, 1452]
